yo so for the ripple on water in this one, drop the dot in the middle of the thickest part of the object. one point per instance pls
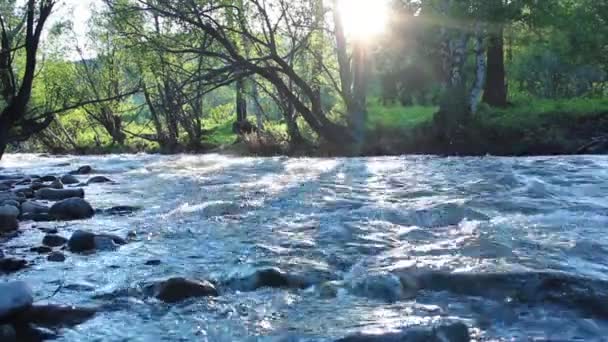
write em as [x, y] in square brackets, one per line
[355, 220]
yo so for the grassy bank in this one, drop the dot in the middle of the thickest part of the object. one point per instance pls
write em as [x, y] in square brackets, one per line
[527, 127]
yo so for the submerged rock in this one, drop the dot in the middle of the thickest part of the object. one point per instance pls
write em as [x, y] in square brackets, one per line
[273, 278]
[177, 289]
[99, 179]
[83, 170]
[69, 180]
[56, 257]
[55, 316]
[41, 250]
[387, 287]
[15, 297]
[59, 194]
[455, 332]
[104, 243]
[72, 209]
[53, 240]
[121, 210]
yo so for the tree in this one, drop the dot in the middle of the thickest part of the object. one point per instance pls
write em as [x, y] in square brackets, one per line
[17, 90]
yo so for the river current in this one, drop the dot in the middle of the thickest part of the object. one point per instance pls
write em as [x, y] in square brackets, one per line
[214, 216]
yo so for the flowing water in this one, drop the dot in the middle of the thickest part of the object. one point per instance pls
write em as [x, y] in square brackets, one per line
[215, 216]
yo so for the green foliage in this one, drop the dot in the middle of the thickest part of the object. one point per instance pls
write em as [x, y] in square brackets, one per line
[531, 113]
[398, 117]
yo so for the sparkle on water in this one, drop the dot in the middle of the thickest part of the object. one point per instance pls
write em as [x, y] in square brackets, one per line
[213, 216]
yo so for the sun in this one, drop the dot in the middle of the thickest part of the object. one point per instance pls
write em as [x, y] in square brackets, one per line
[363, 19]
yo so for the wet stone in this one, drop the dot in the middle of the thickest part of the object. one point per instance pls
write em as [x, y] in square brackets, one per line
[10, 265]
[14, 297]
[69, 180]
[56, 257]
[59, 194]
[41, 249]
[72, 209]
[178, 289]
[53, 240]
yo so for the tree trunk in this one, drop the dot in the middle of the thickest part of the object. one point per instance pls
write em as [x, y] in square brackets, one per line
[4, 132]
[358, 104]
[241, 102]
[480, 70]
[495, 93]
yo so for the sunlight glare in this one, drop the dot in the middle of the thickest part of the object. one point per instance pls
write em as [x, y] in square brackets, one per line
[363, 19]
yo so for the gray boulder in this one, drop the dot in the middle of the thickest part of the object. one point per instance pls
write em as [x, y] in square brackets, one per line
[81, 241]
[58, 194]
[8, 218]
[15, 297]
[178, 289]
[69, 180]
[72, 209]
[31, 207]
[9, 210]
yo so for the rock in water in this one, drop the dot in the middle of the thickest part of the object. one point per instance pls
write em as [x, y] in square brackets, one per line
[81, 241]
[99, 179]
[104, 243]
[8, 333]
[59, 194]
[14, 297]
[455, 332]
[10, 265]
[56, 184]
[56, 257]
[72, 209]
[387, 287]
[8, 218]
[48, 178]
[31, 207]
[69, 180]
[53, 240]
[178, 289]
[83, 170]
[270, 277]
[55, 316]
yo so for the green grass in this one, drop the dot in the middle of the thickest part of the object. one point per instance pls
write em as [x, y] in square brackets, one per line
[398, 117]
[528, 113]
[221, 133]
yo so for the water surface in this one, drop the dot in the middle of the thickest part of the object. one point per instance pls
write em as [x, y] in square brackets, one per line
[215, 216]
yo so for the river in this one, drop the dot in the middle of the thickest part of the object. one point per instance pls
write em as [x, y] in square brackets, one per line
[214, 216]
